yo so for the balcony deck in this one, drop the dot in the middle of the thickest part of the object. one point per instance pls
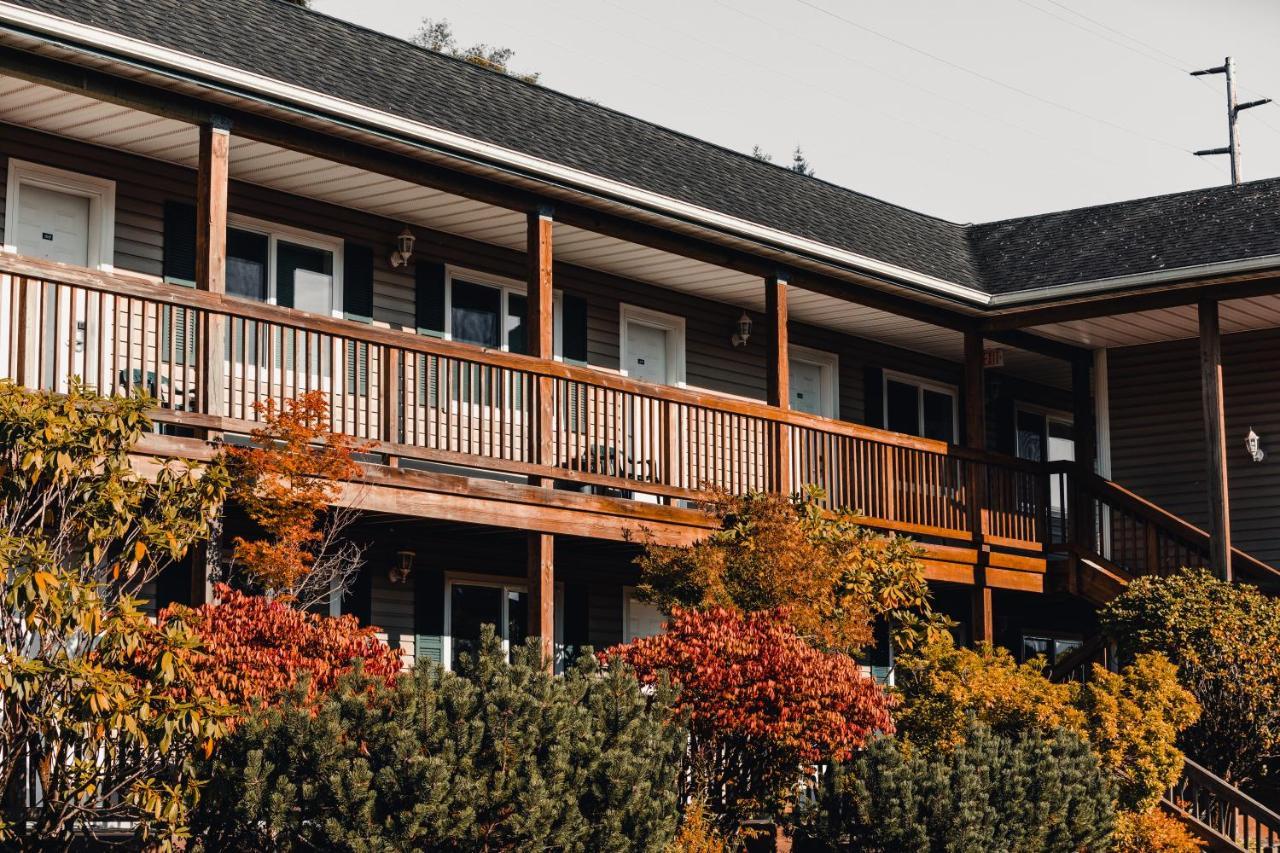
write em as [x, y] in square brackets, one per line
[576, 449]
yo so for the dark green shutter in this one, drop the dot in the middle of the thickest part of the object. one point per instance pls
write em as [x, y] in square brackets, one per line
[428, 306]
[873, 396]
[179, 241]
[357, 282]
[574, 338]
[428, 615]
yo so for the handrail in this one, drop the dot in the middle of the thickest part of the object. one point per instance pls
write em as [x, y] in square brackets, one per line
[1225, 810]
[142, 287]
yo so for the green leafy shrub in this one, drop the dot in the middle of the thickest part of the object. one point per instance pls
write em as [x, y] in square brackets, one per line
[496, 756]
[1223, 638]
[1022, 794]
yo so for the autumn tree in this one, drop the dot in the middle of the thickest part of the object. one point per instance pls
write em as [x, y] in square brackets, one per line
[254, 649]
[288, 481]
[438, 35]
[759, 702]
[96, 703]
[834, 577]
[1223, 639]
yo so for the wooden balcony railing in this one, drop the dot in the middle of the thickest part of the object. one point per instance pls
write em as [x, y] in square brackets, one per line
[419, 397]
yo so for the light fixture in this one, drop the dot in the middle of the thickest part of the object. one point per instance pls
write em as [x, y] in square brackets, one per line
[404, 248]
[743, 334]
[1253, 443]
[399, 573]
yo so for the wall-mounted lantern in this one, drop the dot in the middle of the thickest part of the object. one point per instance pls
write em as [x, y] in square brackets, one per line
[743, 334]
[404, 248]
[399, 573]
[1254, 445]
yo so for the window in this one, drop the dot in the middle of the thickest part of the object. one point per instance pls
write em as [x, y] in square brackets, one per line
[492, 312]
[919, 407]
[1051, 648]
[473, 604]
[284, 266]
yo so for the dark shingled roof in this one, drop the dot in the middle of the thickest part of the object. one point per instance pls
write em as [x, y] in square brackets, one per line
[292, 44]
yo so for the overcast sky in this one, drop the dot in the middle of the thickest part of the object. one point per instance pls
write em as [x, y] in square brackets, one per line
[972, 110]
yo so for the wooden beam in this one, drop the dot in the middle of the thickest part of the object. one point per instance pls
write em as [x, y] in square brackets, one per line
[1211, 395]
[1084, 422]
[542, 594]
[778, 376]
[212, 176]
[982, 623]
[540, 337]
[1031, 342]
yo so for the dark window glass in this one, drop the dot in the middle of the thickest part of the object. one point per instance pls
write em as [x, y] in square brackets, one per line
[304, 277]
[939, 416]
[517, 618]
[1031, 436]
[1036, 646]
[247, 264]
[1062, 648]
[517, 311]
[476, 310]
[903, 402]
[469, 608]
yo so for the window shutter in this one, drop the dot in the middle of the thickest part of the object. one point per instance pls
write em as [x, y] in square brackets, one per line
[179, 241]
[873, 397]
[429, 297]
[357, 282]
[573, 312]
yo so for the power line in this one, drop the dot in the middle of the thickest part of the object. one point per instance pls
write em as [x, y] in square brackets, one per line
[993, 80]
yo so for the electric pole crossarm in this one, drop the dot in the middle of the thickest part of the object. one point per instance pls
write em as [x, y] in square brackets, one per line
[1248, 105]
[1234, 109]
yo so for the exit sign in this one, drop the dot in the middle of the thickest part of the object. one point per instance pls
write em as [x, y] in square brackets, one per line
[993, 358]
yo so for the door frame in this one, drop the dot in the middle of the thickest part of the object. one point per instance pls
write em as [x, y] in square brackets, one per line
[101, 193]
[829, 365]
[503, 582]
[672, 324]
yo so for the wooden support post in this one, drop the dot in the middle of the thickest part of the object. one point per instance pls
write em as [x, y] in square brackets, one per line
[778, 375]
[1085, 433]
[389, 378]
[975, 396]
[212, 175]
[29, 329]
[542, 594]
[983, 623]
[975, 436]
[1215, 440]
[540, 339]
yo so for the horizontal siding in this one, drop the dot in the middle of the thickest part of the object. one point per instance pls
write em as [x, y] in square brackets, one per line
[1157, 431]
[142, 187]
[391, 610]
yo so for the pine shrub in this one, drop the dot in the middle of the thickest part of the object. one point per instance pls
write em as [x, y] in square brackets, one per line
[1005, 794]
[497, 756]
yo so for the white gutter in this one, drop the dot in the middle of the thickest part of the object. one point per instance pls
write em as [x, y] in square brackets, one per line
[263, 85]
[1079, 288]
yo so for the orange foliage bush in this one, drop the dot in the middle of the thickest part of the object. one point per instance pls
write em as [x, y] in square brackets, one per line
[255, 648]
[285, 482]
[1152, 831]
[759, 703]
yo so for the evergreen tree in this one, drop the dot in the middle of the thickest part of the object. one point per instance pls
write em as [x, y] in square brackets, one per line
[497, 756]
[1023, 794]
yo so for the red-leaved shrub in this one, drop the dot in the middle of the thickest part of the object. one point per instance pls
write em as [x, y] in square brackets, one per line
[760, 703]
[256, 648]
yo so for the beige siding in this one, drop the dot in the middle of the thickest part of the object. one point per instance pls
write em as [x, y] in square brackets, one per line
[391, 610]
[1157, 431]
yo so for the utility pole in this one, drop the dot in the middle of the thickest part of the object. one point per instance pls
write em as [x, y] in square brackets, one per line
[1233, 114]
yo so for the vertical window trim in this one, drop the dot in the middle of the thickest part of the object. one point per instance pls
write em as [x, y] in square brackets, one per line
[921, 385]
[274, 232]
[507, 287]
[829, 365]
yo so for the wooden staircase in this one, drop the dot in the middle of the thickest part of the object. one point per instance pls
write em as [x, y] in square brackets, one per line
[1107, 536]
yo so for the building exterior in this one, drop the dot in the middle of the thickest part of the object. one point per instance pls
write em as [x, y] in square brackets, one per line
[556, 325]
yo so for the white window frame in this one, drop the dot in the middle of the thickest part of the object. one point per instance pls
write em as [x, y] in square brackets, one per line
[627, 593]
[506, 584]
[828, 364]
[921, 386]
[672, 324]
[101, 193]
[508, 287]
[1049, 414]
[275, 232]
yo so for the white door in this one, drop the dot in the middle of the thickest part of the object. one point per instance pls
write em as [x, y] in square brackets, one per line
[54, 226]
[646, 353]
[643, 619]
[806, 388]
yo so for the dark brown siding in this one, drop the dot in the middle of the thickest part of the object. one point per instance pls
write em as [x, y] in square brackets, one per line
[1157, 431]
[143, 185]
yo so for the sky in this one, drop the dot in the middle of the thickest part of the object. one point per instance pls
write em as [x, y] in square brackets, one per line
[971, 110]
